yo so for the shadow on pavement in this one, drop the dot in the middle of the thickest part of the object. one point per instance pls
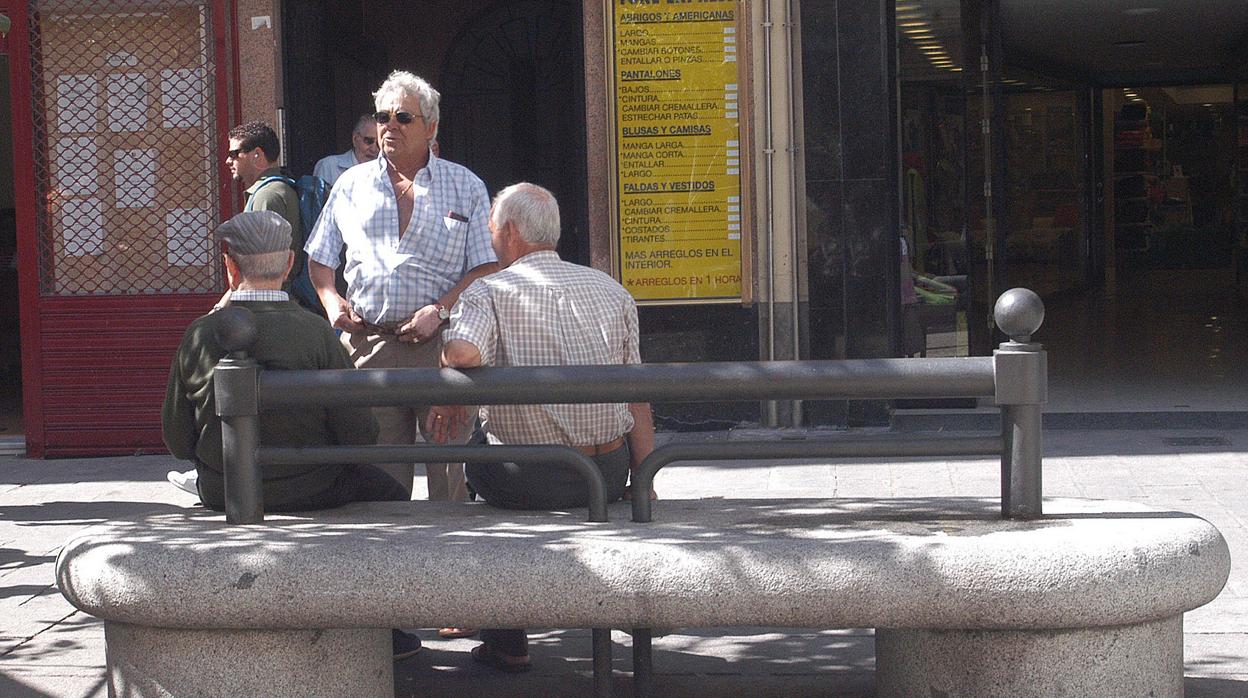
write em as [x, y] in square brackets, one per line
[1214, 688]
[83, 513]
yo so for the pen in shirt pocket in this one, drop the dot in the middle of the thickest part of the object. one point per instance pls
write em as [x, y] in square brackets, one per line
[456, 216]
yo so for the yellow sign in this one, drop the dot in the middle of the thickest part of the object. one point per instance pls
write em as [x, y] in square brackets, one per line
[678, 149]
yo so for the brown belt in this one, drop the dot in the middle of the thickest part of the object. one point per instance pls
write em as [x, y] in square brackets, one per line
[599, 449]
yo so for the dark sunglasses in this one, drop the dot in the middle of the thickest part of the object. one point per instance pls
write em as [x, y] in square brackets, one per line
[368, 140]
[234, 152]
[404, 117]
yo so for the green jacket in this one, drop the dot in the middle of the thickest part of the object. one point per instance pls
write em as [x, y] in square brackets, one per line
[282, 199]
[287, 338]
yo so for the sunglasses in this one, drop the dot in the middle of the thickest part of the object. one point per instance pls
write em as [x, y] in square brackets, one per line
[404, 117]
[368, 140]
[233, 153]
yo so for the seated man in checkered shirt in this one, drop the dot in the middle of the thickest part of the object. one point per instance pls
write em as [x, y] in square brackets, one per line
[542, 311]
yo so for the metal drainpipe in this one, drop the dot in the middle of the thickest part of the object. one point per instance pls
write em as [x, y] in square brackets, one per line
[770, 416]
[795, 248]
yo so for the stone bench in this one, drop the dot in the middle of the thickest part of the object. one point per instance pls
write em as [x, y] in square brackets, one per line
[1086, 600]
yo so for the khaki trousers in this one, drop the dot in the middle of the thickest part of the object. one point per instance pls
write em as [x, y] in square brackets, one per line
[405, 425]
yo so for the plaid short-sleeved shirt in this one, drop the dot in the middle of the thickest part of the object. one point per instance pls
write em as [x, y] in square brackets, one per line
[390, 276]
[543, 311]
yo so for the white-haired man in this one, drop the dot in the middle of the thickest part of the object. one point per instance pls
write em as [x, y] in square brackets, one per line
[415, 232]
[542, 311]
[363, 149]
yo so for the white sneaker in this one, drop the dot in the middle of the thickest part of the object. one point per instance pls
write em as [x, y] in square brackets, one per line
[187, 481]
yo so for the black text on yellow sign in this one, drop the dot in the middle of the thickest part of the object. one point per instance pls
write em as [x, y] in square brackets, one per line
[678, 152]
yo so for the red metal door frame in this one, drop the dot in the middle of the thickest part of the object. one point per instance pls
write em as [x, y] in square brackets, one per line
[17, 46]
[172, 311]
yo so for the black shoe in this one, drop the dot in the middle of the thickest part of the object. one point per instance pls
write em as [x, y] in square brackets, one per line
[405, 644]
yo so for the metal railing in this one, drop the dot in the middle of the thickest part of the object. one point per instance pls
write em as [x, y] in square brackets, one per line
[1015, 376]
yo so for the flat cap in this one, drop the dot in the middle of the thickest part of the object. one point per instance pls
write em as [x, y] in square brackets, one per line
[255, 232]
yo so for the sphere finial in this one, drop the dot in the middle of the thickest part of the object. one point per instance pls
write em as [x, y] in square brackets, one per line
[1019, 312]
[235, 328]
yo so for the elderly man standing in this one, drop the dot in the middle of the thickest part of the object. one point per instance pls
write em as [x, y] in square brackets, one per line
[415, 232]
[363, 148]
[542, 311]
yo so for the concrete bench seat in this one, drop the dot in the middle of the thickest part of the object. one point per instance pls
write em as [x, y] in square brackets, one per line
[1087, 598]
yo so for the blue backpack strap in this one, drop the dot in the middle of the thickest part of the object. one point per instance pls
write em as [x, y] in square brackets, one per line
[265, 181]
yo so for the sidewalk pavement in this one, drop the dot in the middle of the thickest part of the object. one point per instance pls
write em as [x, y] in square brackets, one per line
[48, 648]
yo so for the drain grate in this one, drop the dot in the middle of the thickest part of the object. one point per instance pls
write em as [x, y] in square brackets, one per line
[1196, 441]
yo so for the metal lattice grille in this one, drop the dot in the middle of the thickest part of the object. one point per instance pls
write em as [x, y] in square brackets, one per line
[124, 146]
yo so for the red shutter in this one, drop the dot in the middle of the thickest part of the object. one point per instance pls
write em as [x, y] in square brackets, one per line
[119, 120]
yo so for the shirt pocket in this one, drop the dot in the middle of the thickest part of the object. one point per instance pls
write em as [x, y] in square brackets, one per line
[447, 246]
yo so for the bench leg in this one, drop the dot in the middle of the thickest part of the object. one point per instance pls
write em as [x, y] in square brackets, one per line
[1134, 660]
[602, 662]
[145, 661]
[643, 664]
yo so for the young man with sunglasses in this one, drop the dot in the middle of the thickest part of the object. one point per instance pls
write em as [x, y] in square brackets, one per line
[253, 160]
[415, 231]
[363, 149]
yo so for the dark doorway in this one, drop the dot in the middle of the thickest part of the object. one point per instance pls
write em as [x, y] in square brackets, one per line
[511, 76]
[11, 428]
[514, 96]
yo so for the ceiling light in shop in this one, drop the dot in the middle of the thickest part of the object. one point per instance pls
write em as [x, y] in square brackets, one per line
[908, 6]
[920, 33]
[915, 23]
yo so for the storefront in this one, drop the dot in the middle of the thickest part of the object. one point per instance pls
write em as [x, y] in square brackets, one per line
[772, 179]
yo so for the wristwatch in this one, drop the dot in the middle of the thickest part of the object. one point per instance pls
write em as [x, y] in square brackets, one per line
[444, 313]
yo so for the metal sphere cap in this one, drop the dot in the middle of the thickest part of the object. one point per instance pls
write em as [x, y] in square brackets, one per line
[235, 328]
[1019, 312]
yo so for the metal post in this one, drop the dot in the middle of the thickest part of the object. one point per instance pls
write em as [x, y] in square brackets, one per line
[602, 662]
[235, 390]
[643, 664]
[1021, 376]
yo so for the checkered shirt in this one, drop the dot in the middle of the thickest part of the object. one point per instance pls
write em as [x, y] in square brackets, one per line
[542, 311]
[390, 277]
[259, 294]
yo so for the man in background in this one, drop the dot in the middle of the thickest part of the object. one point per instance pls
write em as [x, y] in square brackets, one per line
[363, 148]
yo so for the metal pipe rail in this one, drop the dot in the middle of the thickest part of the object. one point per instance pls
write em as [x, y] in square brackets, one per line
[845, 447]
[852, 379]
[1015, 377]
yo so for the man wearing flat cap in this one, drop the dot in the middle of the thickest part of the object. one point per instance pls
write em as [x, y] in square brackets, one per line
[257, 260]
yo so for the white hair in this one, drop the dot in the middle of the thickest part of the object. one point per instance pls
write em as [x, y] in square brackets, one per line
[267, 266]
[402, 84]
[366, 125]
[532, 209]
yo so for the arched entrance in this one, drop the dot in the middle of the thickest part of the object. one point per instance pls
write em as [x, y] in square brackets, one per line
[513, 105]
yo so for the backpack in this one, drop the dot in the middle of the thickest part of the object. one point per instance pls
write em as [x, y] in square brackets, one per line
[312, 191]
